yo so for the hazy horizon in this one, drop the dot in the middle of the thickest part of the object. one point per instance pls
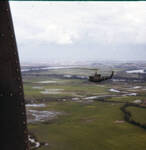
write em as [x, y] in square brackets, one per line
[80, 31]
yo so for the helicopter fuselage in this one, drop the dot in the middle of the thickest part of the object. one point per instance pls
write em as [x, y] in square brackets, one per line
[99, 78]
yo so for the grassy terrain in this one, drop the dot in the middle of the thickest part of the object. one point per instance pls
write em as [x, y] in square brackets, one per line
[85, 125]
[138, 114]
[71, 88]
[89, 127]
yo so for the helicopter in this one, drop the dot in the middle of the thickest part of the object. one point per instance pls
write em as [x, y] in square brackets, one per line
[96, 77]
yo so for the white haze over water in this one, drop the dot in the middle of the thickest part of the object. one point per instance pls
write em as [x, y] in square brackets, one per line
[77, 31]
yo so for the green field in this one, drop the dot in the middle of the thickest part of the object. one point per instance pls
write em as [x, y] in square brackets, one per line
[84, 123]
[138, 114]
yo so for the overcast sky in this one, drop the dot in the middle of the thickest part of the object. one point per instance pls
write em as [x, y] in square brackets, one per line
[47, 31]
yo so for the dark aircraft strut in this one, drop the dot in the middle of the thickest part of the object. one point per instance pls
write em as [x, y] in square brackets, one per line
[13, 126]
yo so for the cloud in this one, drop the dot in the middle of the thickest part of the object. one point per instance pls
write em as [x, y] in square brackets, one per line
[115, 24]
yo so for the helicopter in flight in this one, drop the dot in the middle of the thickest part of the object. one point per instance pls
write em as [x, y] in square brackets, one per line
[97, 77]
